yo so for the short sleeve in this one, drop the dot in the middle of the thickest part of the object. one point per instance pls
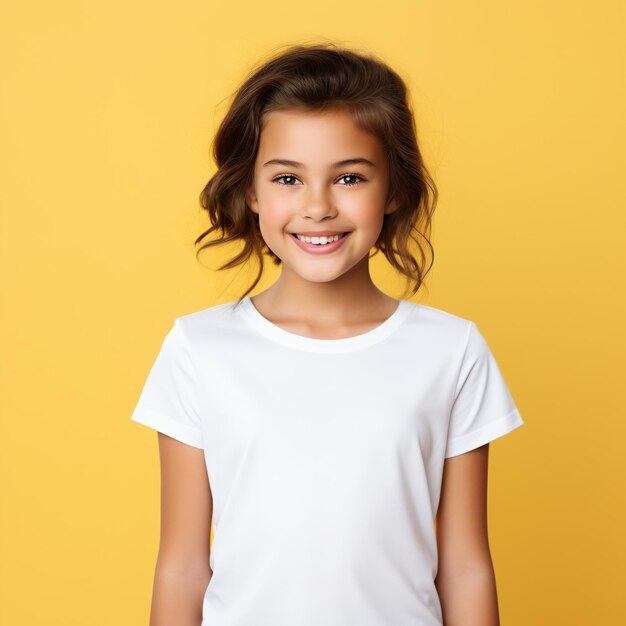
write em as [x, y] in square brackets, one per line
[483, 408]
[169, 399]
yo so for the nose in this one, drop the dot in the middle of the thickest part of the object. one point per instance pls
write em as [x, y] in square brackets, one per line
[317, 202]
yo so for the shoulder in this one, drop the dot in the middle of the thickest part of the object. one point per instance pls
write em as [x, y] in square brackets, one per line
[443, 318]
[209, 326]
[437, 327]
[210, 314]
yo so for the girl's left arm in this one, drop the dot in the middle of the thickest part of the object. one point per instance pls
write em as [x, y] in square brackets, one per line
[465, 577]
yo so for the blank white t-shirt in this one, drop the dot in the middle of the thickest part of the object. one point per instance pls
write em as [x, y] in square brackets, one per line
[325, 457]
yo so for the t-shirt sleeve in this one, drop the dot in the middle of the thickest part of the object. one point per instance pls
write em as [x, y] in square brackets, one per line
[483, 408]
[169, 399]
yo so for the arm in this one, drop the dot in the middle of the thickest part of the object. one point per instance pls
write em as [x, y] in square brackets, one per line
[465, 578]
[182, 570]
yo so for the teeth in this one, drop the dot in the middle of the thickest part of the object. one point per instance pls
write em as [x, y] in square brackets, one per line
[319, 240]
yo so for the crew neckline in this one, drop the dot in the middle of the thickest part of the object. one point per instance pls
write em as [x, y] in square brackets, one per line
[314, 344]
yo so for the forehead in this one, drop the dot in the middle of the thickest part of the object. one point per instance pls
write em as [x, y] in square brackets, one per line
[316, 136]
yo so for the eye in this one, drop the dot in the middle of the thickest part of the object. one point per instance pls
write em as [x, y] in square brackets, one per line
[285, 177]
[353, 182]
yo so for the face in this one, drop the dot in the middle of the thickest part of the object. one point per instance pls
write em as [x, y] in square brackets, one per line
[318, 173]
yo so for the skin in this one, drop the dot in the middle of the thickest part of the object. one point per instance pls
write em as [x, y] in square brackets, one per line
[465, 578]
[332, 295]
[327, 296]
[182, 570]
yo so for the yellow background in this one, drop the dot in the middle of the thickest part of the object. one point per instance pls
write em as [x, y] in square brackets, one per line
[107, 114]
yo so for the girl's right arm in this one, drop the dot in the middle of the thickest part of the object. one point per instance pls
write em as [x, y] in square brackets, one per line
[182, 571]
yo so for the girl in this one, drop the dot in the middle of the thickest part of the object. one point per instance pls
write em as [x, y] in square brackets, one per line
[336, 437]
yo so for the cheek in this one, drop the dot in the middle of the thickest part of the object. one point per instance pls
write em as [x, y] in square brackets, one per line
[275, 207]
[274, 221]
[365, 209]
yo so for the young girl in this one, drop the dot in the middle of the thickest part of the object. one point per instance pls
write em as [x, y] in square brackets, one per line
[336, 437]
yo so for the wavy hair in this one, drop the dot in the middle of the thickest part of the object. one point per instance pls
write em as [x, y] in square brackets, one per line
[318, 77]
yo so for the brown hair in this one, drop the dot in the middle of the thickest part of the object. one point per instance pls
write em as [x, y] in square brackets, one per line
[317, 77]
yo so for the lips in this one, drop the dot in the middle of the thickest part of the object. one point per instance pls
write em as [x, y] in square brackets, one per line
[305, 235]
[320, 249]
[322, 233]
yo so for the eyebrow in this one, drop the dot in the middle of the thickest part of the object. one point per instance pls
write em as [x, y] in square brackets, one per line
[296, 164]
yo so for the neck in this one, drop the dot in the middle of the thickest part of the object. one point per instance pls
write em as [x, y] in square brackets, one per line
[351, 296]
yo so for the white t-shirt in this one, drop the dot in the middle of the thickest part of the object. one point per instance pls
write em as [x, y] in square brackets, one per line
[325, 457]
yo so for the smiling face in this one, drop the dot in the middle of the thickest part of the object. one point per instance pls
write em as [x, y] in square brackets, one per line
[317, 172]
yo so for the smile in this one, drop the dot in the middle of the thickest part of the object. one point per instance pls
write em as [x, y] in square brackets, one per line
[324, 245]
[323, 240]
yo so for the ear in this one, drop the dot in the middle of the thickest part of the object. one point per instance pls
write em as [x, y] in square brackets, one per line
[251, 199]
[392, 206]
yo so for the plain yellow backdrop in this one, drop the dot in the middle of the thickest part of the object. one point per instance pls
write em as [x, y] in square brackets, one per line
[107, 113]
